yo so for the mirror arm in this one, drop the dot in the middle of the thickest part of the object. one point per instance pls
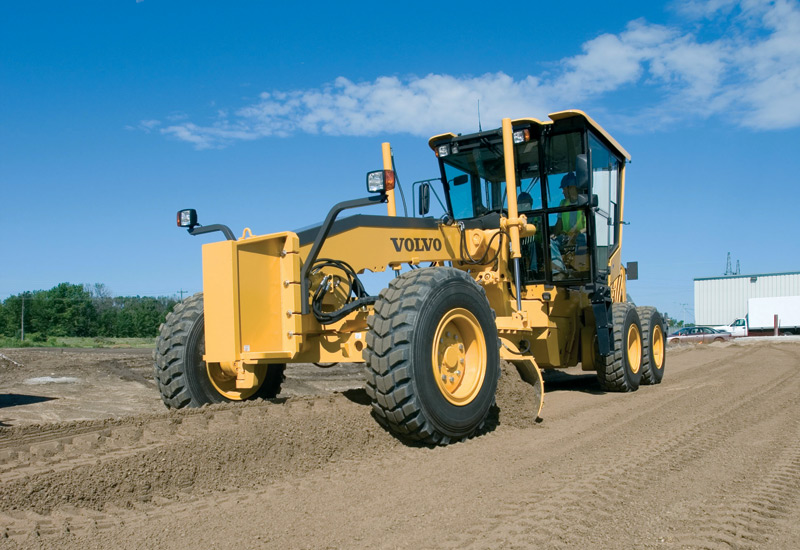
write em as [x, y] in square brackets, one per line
[200, 229]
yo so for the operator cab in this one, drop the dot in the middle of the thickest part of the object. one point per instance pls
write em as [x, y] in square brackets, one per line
[569, 185]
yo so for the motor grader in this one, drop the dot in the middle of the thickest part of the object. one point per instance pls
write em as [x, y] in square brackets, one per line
[524, 266]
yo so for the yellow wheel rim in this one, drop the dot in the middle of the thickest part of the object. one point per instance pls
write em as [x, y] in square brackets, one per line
[225, 383]
[634, 348]
[459, 357]
[657, 345]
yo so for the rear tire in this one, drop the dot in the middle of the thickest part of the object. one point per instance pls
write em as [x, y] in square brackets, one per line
[432, 356]
[653, 345]
[622, 370]
[182, 376]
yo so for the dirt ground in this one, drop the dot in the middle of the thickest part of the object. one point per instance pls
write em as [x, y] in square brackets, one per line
[90, 458]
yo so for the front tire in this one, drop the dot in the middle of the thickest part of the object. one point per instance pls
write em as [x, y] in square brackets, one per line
[183, 378]
[432, 356]
[622, 370]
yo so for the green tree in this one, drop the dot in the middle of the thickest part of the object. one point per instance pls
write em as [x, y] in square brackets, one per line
[83, 310]
[68, 311]
[3, 322]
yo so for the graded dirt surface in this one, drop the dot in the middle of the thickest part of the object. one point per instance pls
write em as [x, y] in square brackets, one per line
[710, 458]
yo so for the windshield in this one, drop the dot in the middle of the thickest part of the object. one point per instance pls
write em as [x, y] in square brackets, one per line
[526, 155]
[475, 178]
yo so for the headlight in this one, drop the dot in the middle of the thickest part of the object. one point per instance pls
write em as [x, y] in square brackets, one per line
[521, 136]
[380, 181]
[187, 218]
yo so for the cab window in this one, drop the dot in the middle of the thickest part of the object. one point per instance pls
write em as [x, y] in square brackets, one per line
[474, 177]
[562, 154]
[605, 184]
[529, 185]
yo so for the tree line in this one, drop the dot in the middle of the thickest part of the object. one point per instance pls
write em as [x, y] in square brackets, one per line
[82, 310]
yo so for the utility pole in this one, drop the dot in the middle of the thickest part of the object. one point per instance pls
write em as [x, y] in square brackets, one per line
[182, 292]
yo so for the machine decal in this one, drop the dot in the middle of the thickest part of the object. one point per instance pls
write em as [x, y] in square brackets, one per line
[416, 244]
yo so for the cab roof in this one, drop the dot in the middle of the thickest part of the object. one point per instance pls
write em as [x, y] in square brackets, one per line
[560, 115]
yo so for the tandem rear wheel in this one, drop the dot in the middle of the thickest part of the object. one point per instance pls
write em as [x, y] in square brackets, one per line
[432, 356]
[621, 371]
[184, 379]
[654, 349]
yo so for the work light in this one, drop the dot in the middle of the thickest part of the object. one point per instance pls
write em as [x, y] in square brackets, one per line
[187, 218]
[380, 181]
[522, 135]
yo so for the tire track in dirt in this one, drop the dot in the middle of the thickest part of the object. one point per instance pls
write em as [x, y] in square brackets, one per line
[744, 510]
[744, 517]
[689, 377]
[599, 490]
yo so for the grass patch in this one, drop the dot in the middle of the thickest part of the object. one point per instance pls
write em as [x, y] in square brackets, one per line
[37, 341]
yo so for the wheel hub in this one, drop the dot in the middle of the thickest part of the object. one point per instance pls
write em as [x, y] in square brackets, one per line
[658, 347]
[459, 356]
[634, 348]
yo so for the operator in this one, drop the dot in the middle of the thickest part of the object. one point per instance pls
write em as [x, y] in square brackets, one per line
[569, 231]
[571, 223]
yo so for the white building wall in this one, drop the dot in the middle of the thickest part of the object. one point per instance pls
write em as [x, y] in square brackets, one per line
[720, 300]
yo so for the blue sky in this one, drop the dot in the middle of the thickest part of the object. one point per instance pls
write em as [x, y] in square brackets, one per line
[116, 114]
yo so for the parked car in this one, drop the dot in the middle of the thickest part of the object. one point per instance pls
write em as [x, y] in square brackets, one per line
[699, 335]
[737, 328]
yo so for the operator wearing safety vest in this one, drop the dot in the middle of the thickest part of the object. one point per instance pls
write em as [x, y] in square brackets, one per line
[573, 222]
[569, 232]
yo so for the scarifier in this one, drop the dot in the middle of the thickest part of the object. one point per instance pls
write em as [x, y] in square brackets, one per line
[523, 266]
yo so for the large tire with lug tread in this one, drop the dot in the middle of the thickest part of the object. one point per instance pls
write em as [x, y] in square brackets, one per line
[183, 378]
[622, 370]
[432, 356]
[654, 349]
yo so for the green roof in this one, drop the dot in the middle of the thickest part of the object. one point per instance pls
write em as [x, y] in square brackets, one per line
[747, 276]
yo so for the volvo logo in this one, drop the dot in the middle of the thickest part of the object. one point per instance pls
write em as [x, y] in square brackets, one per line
[416, 245]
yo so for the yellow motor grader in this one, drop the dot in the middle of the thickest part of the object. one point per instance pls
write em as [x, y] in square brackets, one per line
[524, 266]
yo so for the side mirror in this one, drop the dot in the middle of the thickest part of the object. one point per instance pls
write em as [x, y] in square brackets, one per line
[424, 199]
[582, 171]
[632, 271]
[187, 218]
[460, 180]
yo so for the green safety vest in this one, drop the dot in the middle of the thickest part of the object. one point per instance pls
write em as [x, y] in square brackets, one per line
[580, 219]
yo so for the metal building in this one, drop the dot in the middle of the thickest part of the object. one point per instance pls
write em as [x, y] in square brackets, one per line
[721, 300]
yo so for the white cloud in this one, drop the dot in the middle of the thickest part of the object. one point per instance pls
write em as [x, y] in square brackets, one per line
[771, 67]
[208, 137]
[705, 8]
[145, 126]
[749, 72]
